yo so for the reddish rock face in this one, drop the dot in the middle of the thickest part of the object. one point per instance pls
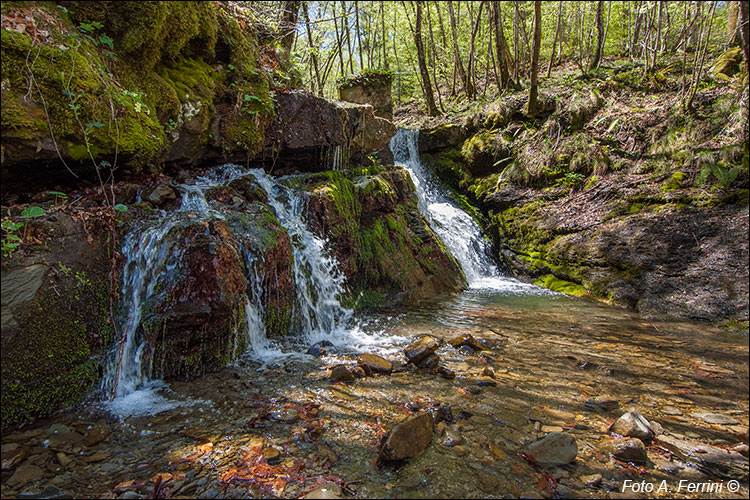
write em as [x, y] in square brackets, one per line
[307, 129]
[199, 323]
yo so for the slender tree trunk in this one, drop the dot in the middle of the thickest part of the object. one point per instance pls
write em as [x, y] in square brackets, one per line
[345, 26]
[634, 46]
[432, 109]
[339, 42]
[434, 64]
[531, 108]
[470, 68]
[313, 50]
[703, 51]
[456, 53]
[501, 47]
[744, 21]
[288, 27]
[599, 35]
[554, 41]
[733, 34]
[359, 37]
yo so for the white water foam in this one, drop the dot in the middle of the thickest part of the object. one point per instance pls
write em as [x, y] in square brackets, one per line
[458, 230]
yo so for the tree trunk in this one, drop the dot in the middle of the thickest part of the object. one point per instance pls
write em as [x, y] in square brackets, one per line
[427, 86]
[531, 109]
[456, 54]
[501, 48]
[744, 21]
[554, 42]
[599, 35]
[313, 50]
[470, 68]
[339, 42]
[434, 64]
[288, 27]
[702, 51]
[345, 26]
[359, 37]
[733, 34]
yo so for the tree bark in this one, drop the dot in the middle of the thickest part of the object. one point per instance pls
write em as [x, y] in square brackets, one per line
[288, 27]
[501, 48]
[733, 34]
[599, 35]
[313, 50]
[531, 109]
[554, 42]
[427, 86]
[456, 54]
[744, 21]
[471, 91]
[359, 37]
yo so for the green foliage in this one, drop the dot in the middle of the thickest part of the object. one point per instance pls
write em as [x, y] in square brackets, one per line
[32, 212]
[11, 240]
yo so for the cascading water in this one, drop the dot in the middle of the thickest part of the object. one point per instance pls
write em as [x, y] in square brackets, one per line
[319, 286]
[146, 249]
[458, 230]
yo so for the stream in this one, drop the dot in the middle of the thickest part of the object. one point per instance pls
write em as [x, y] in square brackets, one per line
[274, 424]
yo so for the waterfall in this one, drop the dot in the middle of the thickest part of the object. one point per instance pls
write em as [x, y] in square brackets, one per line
[458, 230]
[150, 255]
[320, 284]
[146, 250]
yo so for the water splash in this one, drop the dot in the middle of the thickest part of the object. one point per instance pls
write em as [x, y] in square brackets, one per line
[149, 256]
[458, 230]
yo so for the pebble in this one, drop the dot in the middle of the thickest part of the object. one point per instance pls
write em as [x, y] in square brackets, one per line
[285, 415]
[63, 459]
[460, 450]
[486, 382]
[716, 418]
[453, 438]
[421, 349]
[632, 424]
[630, 450]
[488, 372]
[25, 474]
[556, 448]
[376, 363]
[474, 389]
[446, 373]
[96, 435]
[592, 480]
[671, 410]
[340, 373]
[325, 491]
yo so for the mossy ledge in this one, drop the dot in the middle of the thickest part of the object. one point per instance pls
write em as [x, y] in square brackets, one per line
[121, 84]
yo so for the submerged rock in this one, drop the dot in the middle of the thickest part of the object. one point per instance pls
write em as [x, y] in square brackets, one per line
[418, 351]
[407, 439]
[632, 424]
[325, 491]
[630, 450]
[375, 363]
[341, 373]
[556, 448]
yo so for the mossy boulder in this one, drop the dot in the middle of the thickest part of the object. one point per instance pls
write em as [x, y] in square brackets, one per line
[728, 63]
[442, 137]
[370, 87]
[119, 84]
[387, 250]
[483, 152]
[55, 318]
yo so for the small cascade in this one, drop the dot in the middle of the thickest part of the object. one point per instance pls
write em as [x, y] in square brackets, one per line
[458, 230]
[259, 346]
[146, 249]
[320, 284]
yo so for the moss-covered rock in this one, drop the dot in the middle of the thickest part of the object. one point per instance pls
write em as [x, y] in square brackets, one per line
[55, 320]
[387, 250]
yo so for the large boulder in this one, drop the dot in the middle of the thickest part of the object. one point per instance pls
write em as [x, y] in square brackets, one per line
[387, 250]
[442, 137]
[55, 312]
[313, 134]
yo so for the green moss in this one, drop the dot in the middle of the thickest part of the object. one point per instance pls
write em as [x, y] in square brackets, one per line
[49, 366]
[558, 285]
[674, 182]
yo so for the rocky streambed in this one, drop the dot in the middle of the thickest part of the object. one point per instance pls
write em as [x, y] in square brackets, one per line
[509, 394]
